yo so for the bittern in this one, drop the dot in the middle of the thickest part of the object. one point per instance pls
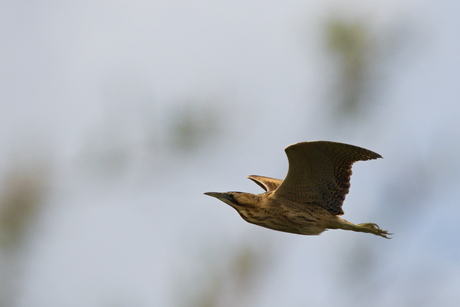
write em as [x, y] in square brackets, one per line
[310, 198]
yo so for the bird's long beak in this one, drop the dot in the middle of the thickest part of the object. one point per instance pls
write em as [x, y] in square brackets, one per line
[221, 196]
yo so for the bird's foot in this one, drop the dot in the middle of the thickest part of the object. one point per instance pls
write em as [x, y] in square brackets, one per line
[374, 228]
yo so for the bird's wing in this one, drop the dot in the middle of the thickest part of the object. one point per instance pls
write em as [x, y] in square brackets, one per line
[266, 183]
[319, 173]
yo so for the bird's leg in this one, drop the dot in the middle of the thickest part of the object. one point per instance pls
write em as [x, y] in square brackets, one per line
[366, 227]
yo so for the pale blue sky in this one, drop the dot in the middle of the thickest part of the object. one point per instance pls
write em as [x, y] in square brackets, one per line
[80, 80]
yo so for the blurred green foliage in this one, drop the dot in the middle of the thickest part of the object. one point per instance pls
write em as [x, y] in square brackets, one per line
[194, 122]
[232, 280]
[24, 188]
[354, 52]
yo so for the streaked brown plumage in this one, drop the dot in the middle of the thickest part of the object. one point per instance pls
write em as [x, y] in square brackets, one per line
[310, 198]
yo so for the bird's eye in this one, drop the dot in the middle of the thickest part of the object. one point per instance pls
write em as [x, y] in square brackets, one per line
[233, 199]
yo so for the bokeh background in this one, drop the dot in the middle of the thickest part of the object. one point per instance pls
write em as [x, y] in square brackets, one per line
[116, 116]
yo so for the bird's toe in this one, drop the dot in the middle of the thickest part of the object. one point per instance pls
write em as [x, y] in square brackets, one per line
[375, 229]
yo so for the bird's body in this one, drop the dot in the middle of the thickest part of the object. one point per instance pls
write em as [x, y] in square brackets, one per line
[310, 198]
[285, 216]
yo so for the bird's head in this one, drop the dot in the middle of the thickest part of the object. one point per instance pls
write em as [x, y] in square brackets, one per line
[239, 200]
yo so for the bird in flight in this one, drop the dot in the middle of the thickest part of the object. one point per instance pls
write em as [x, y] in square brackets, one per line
[309, 200]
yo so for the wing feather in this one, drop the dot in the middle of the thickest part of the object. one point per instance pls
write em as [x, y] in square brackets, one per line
[267, 183]
[319, 173]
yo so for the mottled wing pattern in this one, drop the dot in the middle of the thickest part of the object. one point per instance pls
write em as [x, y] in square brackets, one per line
[266, 183]
[319, 173]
